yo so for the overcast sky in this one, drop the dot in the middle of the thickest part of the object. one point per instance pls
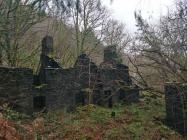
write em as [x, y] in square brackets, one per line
[123, 10]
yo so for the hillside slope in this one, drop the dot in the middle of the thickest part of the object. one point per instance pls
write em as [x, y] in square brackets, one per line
[142, 121]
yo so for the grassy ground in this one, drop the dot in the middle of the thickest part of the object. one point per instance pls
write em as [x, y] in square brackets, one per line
[141, 121]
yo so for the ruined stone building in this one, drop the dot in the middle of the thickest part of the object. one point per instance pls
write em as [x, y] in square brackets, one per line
[55, 87]
[176, 106]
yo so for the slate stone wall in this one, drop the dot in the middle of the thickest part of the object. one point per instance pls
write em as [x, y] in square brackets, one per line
[54, 87]
[176, 106]
[128, 95]
[123, 74]
[86, 72]
[70, 87]
[110, 54]
[16, 87]
[61, 88]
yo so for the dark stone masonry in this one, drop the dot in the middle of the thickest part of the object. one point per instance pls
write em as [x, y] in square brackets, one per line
[176, 106]
[54, 87]
[16, 87]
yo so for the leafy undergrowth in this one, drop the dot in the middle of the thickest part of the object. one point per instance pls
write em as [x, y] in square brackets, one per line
[140, 121]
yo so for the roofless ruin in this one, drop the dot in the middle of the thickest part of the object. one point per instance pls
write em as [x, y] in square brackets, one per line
[55, 87]
[109, 83]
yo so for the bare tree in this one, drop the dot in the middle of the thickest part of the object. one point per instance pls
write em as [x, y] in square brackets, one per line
[88, 18]
[116, 34]
[164, 46]
[16, 17]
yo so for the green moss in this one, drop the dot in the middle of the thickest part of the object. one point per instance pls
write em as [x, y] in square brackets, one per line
[144, 120]
[41, 86]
